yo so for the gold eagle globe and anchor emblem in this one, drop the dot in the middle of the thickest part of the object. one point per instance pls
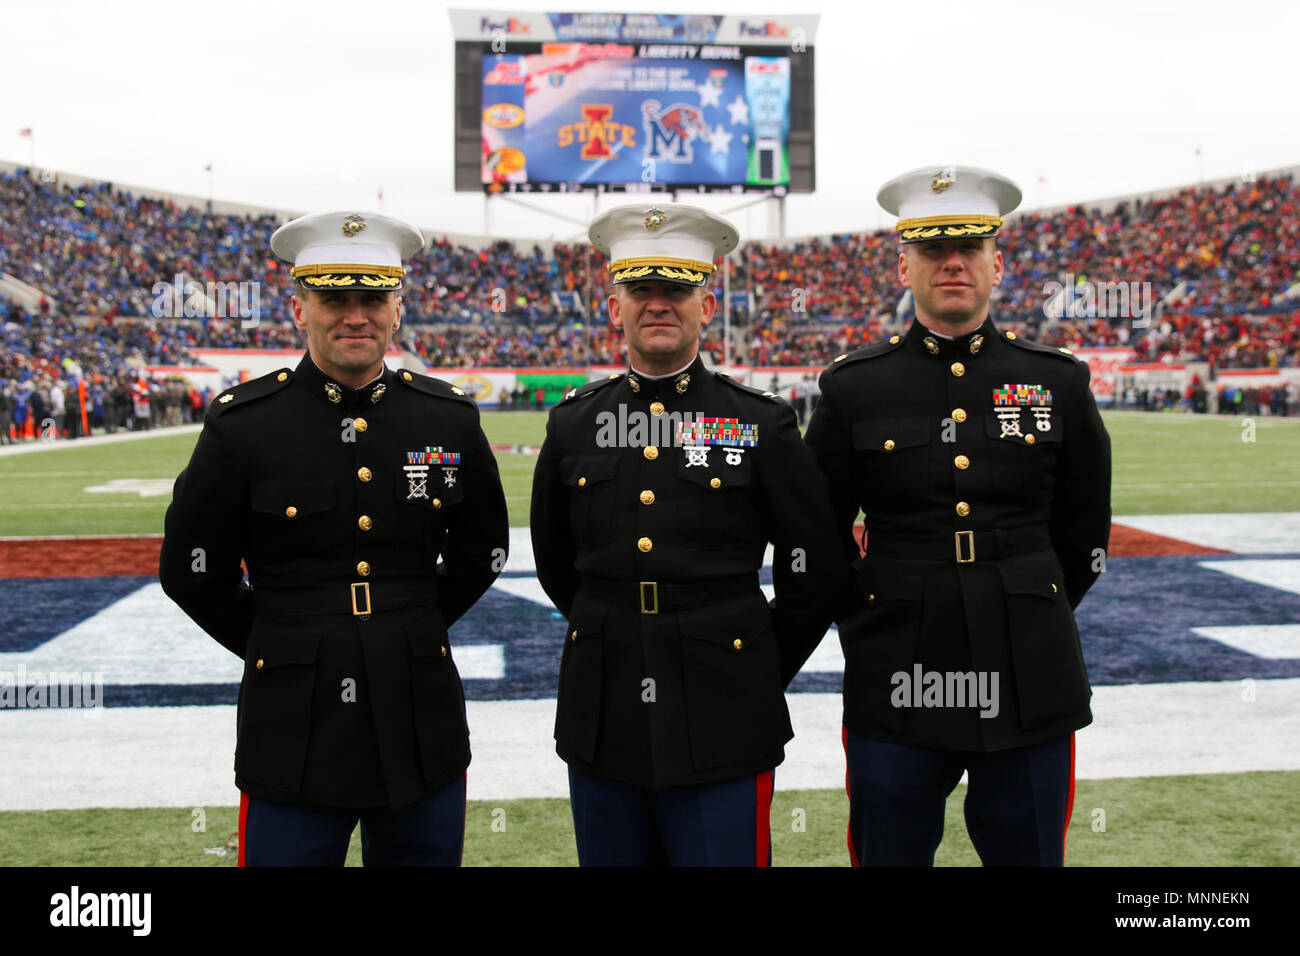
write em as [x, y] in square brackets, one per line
[655, 218]
[353, 225]
[941, 181]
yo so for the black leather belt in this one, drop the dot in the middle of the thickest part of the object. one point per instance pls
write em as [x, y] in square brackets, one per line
[357, 598]
[962, 547]
[656, 597]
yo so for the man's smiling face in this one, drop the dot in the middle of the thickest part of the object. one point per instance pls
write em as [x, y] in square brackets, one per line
[348, 332]
[951, 281]
[661, 322]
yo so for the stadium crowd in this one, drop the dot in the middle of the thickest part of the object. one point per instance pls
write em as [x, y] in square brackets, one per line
[1221, 259]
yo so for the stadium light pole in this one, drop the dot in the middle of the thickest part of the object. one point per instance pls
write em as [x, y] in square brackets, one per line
[726, 312]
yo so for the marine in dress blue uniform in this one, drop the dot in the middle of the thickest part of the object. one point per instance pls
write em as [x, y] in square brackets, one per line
[655, 495]
[983, 470]
[366, 505]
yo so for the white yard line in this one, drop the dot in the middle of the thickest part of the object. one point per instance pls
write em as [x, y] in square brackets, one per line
[182, 756]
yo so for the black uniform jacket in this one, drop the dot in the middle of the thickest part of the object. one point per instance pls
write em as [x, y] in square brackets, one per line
[983, 469]
[625, 521]
[338, 707]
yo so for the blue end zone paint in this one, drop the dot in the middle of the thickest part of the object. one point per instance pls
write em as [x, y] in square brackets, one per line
[37, 609]
[533, 637]
[1135, 623]
[170, 695]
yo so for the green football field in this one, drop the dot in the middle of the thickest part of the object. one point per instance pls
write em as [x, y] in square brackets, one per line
[1163, 464]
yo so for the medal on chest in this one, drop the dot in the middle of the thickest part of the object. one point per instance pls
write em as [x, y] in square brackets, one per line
[417, 468]
[1008, 402]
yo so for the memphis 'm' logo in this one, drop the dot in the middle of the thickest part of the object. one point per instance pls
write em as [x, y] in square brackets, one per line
[669, 133]
[597, 133]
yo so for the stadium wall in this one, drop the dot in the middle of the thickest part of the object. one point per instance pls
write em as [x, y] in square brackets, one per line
[221, 368]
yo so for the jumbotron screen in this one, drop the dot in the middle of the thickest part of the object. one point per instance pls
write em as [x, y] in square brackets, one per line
[634, 103]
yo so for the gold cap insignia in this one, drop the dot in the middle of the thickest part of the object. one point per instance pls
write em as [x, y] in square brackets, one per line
[353, 225]
[655, 218]
[941, 181]
[226, 399]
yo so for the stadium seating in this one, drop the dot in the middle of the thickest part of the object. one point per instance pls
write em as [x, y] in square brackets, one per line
[1223, 259]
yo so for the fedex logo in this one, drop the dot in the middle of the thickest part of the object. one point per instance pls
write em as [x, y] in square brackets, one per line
[769, 29]
[512, 25]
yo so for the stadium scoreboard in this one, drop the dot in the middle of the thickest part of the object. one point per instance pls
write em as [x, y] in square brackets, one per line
[623, 102]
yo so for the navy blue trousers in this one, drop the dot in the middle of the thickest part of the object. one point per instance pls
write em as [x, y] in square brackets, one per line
[1018, 801]
[429, 832]
[715, 824]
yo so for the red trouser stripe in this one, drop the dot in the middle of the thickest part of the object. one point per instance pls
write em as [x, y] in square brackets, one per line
[763, 819]
[243, 825]
[1069, 802]
[853, 854]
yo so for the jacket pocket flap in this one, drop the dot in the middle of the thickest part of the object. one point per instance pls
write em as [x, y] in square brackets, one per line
[580, 471]
[1018, 427]
[287, 647]
[1030, 574]
[725, 624]
[428, 637]
[887, 579]
[586, 618]
[276, 497]
[431, 492]
[891, 434]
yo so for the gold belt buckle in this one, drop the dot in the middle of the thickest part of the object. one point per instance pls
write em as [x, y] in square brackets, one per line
[654, 597]
[970, 539]
[364, 614]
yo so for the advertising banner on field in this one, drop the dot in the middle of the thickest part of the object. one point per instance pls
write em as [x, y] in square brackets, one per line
[554, 385]
[1104, 363]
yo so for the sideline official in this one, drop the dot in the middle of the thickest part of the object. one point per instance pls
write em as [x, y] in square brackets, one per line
[983, 469]
[340, 484]
[655, 495]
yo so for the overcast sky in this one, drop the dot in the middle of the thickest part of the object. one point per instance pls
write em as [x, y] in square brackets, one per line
[317, 105]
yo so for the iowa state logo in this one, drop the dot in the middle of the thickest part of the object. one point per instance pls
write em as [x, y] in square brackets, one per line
[670, 132]
[597, 133]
